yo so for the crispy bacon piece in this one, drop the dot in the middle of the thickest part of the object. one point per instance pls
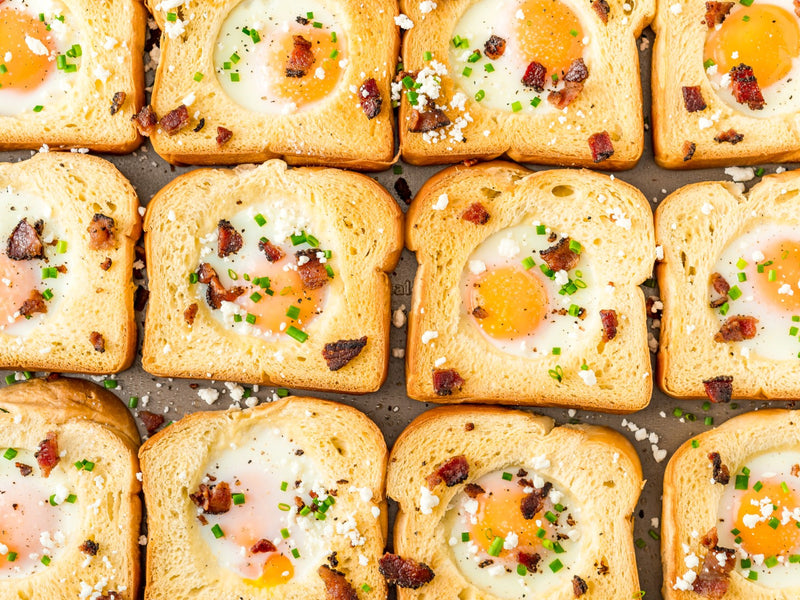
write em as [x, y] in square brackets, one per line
[47, 454]
[370, 98]
[689, 148]
[25, 242]
[731, 137]
[151, 421]
[745, 88]
[479, 312]
[263, 546]
[560, 257]
[205, 273]
[535, 76]
[312, 272]
[145, 120]
[301, 59]
[579, 586]
[529, 561]
[609, 320]
[736, 329]
[101, 232]
[224, 135]
[338, 354]
[693, 98]
[533, 502]
[98, 341]
[494, 47]
[565, 96]
[476, 213]
[175, 120]
[336, 585]
[213, 499]
[106, 265]
[190, 313]
[272, 252]
[229, 240]
[452, 472]
[445, 381]
[577, 72]
[473, 490]
[602, 148]
[216, 293]
[34, 304]
[602, 9]
[117, 101]
[422, 122]
[404, 572]
[403, 190]
[89, 547]
[719, 473]
[200, 124]
[713, 579]
[24, 469]
[720, 284]
[716, 13]
[719, 389]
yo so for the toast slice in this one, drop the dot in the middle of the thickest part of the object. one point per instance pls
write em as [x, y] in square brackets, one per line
[579, 483]
[701, 227]
[488, 100]
[303, 301]
[314, 507]
[69, 225]
[72, 74]
[317, 91]
[563, 332]
[68, 473]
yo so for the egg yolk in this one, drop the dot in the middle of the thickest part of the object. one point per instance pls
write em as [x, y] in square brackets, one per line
[21, 283]
[277, 570]
[508, 302]
[26, 70]
[762, 36]
[781, 266]
[763, 538]
[550, 34]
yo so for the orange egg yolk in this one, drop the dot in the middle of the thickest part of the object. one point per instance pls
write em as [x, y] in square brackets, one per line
[550, 34]
[784, 256]
[12, 296]
[763, 538]
[277, 570]
[26, 70]
[508, 302]
[762, 36]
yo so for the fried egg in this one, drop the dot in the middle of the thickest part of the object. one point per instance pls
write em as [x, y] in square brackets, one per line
[518, 303]
[275, 302]
[759, 516]
[40, 54]
[22, 279]
[549, 32]
[254, 45]
[766, 37]
[267, 473]
[762, 266]
[491, 542]
[37, 514]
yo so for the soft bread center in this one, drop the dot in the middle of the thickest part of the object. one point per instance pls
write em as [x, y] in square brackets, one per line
[549, 33]
[26, 70]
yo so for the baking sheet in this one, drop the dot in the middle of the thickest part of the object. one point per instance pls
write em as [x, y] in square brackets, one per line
[392, 410]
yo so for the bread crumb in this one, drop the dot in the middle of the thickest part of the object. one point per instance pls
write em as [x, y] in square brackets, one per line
[398, 352]
[399, 316]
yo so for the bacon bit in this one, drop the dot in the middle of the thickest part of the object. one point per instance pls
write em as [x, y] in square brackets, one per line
[262, 546]
[579, 586]
[476, 213]
[731, 136]
[89, 547]
[689, 148]
[479, 312]
[301, 59]
[370, 98]
[797, 7]
[213, 499]
[145, 120]
[445, 381]
[693, 98]
[140, 298]
[302, 20]
[230, 241]
[101, 232]
[564, 97]
[216, 292]
[47, 454]
[422, 122]
[200, 124]
[24, 469]
[745, 88]
[272, 252]
[224, 135]
[533, 502]
[720, 473]
[560, 257]
[175, 120]
[205, 273]
[494, 47]
[117, 101]
[403, 191]
[106, 264]
[602, 148]
[535, 76]
[451, 472]
[25, 242]
[720, 284]
[404, 572]
[469, 426]
[338, 354]
[473, 490]
[577, 72]
[716, 12]
[312, 272]
[336, 585]
[602, 9]
[529, 561]
[151, 421]
[712, 581]
[736, 329]
[719, 389]
[609, 320]
[190, 313]
[98, 341]
[34, 304]
[795, 468]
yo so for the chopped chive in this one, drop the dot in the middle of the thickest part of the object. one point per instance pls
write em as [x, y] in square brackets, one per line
[464, 536]
[654, 534]
[133, 402]
[234, 77]
[46, 561]
[397, 169]
[557, 373]
[758, 485]
[295, 552]
[574, 310]
[540, 533]
[47, 294]
[88, 465]
[284, 507]
[233, 274]
[217, 531]
[255, 297]
[294, 332]
[61, 62]
[172, 17]
[723, 310]
[709, 421]
[298, 239]
[198, 76]
[49, 273]
[309, 15]
[770, 561]
[194, 278]
[329, 271]
[759, 170]
[784, 487]
[250, 318]
[11, 378]
[536, 102]
[467, 71]
[708, 64]
[695, 444]
[496, 546]
[255, 36]
[573, 32]
[690, 417]
[528, 263]
[317, 25]
[794, 558]
[284, 486]
[235, 58]
[774, 522]
[238, 498]
[427, 55]
[61, 246]
[746, 2]
[480, 95]
[734, 293]
[10, 454]
[793, 331]
[312, 241]
[226, 65]
[516, 106]
[521, 570]
[550, 516]
[71, 498]
[110, 384]
[640, 543]
[305, 511]
[474, 57]
[741, 276]
[556, 566]
[237, 318]
[293, 312]
[507, 476]
[281, 392]
[27, 374]
[541, 230]
[772, 275]
[333, 36]
[706, 405]
[575, 246]
[677, 412]
[11, 556]
[741, 264]
[3, 69]
[488, 67]
[366, 588]
[334, 53]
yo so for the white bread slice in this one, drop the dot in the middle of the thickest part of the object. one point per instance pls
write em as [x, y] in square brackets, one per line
[693, 225]
[335, 133]
[77, 187]
[596, 465]
[678, 62]
[363, 227]
[606, 216]
[342, 442]
[112, 43]
[611, 100]
[90, 424]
